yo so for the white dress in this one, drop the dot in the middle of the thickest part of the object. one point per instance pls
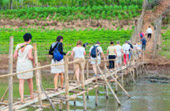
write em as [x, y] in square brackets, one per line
[23, 63]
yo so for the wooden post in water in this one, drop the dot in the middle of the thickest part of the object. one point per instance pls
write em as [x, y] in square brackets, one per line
[10, 69]
[87, 75]
[66, 83]
[83, 83]
[37, 75]
[107, 94]
[96, 101]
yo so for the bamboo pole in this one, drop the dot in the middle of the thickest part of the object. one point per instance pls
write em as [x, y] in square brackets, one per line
[37, 74]
[61, 105]
[107, 94]
[66, 83]
[117, 99]
[83, 84]
[34, 69]
[87, 75]
[5, 93]
[10, 79]
[96, 100]
[118, 82]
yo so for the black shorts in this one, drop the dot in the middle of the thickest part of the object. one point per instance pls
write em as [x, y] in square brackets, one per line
[150, 36]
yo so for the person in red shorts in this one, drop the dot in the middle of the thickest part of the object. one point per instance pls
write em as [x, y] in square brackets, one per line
[126, 48]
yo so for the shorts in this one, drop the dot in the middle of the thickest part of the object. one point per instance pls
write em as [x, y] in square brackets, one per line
[119, 60]
[150, 35]
[93, 61]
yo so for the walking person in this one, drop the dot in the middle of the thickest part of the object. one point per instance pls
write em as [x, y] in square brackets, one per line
[56, 50]
[119, 53]
[95, 53]
[141, 35]
[130, 51]
[78, 53]
[25, 61]
[111, 53]
[126, 48]
[139, 50]
[143, 42]
[149, 32]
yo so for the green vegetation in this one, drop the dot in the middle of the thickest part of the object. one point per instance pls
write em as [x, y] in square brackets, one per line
[32, 3]
[165, 51]
[73, 13]
[44, 38]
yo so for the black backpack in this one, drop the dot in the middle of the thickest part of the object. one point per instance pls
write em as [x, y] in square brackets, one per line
[94, 51]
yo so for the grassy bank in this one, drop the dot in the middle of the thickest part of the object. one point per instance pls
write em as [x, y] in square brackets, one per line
[165, 49]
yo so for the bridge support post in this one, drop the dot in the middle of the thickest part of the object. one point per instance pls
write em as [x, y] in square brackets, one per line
[10, 80]
[87, 75]
[66, 83]
[37, 74]
[83, 83]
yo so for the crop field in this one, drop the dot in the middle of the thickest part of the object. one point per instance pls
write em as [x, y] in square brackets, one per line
[165, 51]
[44, 38]
[73, 13]
[56, 3]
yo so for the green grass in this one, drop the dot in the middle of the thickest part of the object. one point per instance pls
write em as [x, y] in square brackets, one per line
[44, 38]
[65, 13]
[165, 51]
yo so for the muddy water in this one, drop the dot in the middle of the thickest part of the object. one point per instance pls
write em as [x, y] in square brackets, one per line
[146, 96]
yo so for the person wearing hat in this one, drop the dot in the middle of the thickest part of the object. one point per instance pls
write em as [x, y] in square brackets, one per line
[25, 61]
[95, 53]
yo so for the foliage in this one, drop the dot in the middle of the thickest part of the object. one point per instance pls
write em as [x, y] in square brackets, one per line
[73, 13]
[75, 3]
[165, 51]
[44, 38]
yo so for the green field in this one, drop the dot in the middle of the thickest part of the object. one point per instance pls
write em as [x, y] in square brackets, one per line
[165, 48]
[44, 38]
[73, 13]
[56, 3]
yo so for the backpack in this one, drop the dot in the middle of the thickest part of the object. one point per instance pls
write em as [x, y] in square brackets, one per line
[143, 41]
[56, 54]
[141, 35]
[93, 51]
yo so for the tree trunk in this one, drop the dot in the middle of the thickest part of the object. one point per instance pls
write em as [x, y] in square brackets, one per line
[11, 7]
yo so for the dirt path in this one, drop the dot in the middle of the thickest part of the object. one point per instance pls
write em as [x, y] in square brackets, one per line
[149, 17]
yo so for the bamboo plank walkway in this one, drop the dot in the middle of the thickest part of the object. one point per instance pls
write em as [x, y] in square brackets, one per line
[89, 84]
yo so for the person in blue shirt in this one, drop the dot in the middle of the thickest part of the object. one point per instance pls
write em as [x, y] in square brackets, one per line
[143, 41]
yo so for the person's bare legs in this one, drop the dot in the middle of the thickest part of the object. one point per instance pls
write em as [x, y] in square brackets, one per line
[30, 83]
[95, 69]
[56, 82]
[61, 80]
[21, 89]
[77, 71]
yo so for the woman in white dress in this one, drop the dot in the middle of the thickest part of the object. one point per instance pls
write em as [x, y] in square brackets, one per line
[25, 61]
[78, 53]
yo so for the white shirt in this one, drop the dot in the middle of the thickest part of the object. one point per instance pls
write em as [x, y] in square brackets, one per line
[149, 31]
[118, 50]
[126, 48]
[99, 49]
[79, 52]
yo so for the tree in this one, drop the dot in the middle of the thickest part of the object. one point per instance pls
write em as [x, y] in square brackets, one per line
[11, 6]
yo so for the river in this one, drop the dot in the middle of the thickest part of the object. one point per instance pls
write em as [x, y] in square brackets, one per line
[145, 96]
